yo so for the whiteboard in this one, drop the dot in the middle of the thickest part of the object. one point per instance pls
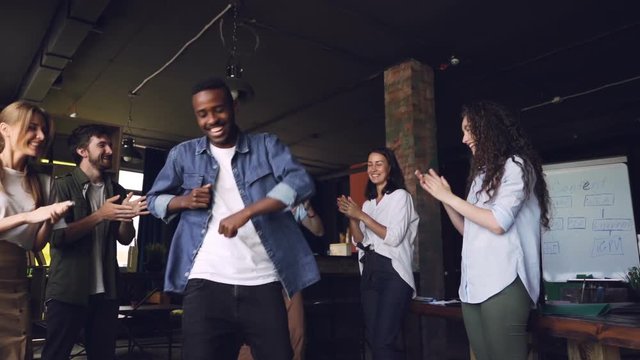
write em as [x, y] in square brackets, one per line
[592, 228]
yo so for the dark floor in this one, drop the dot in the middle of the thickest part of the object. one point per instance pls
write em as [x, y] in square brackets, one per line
[153, 349]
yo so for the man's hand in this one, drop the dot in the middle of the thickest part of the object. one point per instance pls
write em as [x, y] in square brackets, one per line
[198, 198]
[229, 226]
[114, 212]
[138, 205]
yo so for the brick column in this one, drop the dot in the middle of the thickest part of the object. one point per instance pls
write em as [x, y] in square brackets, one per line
[411, 132]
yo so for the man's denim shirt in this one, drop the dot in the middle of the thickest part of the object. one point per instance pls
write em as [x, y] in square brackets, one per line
[262, 167]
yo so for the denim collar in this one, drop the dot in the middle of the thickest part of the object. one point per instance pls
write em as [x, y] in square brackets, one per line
[242, 144]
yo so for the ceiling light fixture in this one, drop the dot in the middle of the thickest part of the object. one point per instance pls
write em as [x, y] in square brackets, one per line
[241, 90]
[73, 110]
[130, 154]
[454, 60]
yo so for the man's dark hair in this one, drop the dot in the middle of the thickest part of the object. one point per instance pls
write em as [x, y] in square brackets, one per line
[395, 180]
[213, 83]
[81, 136]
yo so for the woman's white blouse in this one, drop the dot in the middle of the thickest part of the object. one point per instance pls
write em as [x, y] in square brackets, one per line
[396, 212]
[15, 200]
[491, 262]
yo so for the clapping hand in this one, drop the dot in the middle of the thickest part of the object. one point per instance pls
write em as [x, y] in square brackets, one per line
[116, 212]
[53, 212]
[138, 205]
[434, 184]
[348, 207]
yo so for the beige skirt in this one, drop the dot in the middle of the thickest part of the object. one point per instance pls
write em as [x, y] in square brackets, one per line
[15, 320]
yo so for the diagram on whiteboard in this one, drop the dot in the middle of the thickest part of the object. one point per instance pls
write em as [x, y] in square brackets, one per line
[592, 227]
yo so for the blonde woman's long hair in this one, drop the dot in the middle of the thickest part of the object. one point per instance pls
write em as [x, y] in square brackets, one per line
[21, 113]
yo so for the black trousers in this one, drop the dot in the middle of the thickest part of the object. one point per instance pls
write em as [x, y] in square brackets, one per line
[385, 302]
[65, 321]
[218, 318]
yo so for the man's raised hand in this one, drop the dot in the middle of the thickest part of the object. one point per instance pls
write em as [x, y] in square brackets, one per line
[115, 212]
[138, 205]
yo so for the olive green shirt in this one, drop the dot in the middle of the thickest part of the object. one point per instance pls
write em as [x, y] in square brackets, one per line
[69, 275]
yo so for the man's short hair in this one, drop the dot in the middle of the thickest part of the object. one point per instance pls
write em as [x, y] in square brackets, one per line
[213, 83]
[81, 136]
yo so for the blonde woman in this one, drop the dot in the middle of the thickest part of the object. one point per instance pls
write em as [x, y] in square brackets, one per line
[25, 223]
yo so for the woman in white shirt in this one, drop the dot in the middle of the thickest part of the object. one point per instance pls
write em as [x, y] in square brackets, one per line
[500, 222]
[384, 231]
[24, 223]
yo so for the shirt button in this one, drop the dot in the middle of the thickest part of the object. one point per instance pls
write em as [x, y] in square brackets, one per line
[259, 232]
[186, 274]
[203, 231]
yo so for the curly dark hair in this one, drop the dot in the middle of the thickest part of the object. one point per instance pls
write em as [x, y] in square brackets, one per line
[498, 137]
[395, 180]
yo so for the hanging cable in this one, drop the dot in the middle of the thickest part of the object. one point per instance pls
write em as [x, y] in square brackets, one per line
[559, 99]
[184, 47]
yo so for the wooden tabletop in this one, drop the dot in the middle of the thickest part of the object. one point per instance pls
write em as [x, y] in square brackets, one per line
[614, 329]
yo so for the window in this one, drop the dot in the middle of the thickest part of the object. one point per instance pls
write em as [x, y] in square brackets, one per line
[132, 181]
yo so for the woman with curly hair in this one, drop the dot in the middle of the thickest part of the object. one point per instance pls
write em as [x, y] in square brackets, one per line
[500, 222]
[384, 230]
[26, 218]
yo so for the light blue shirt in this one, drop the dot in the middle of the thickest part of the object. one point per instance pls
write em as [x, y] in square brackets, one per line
[491, 262]
[262, 167]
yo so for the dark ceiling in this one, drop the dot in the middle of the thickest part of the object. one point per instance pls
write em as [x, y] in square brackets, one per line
[317, 69]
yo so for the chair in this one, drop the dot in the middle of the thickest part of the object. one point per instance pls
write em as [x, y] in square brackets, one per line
[153, 311]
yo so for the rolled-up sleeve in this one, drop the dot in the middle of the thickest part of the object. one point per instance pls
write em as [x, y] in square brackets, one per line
[284, 193]
[402, 211]
[510, 196]
[165, 188]
[294, 183]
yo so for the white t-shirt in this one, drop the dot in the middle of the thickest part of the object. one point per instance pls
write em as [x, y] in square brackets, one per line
[96, 196]
[15, 199]
[240, 260]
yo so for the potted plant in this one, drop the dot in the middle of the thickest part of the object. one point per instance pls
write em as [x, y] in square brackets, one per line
[633, 278]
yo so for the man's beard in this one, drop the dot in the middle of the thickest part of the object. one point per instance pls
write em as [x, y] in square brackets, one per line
[99, 163]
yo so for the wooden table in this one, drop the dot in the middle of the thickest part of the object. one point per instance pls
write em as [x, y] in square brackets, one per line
[597, 338]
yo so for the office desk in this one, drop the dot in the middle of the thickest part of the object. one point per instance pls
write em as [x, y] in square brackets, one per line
[597, 338]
